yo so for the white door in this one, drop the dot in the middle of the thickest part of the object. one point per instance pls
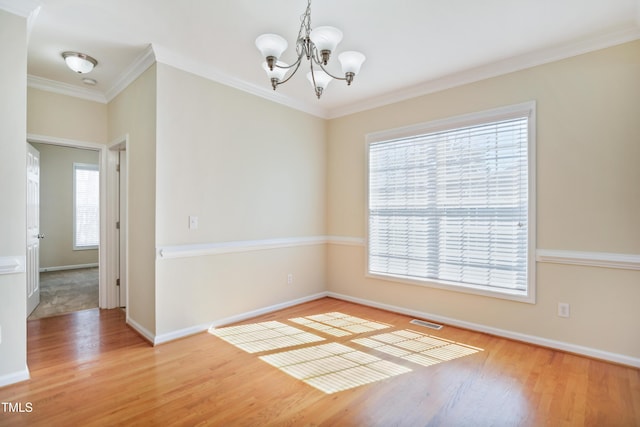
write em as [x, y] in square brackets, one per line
[33, 229]
[122, 235]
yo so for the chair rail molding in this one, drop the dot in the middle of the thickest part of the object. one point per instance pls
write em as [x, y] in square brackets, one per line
[589, 259]
[217, 248]
[12, 264]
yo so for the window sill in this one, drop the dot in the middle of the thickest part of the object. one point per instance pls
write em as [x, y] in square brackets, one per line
[85, 248]
[519, 296]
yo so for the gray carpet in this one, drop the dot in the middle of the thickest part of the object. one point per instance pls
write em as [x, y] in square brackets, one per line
[66, 291]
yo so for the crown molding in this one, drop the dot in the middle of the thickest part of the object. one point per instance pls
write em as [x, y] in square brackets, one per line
[173, 59]
[155, 53]
[132, 72]
[25, 8]
[22, 8]
[495, 69]
[65, 89]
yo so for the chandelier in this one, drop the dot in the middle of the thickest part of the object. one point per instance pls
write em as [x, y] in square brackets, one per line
[316, 46]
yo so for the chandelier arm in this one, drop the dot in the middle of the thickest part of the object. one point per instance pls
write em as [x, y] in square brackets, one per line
[317, 90]
[286, 67]
[297, 65]
[314, 56]
[331, 75]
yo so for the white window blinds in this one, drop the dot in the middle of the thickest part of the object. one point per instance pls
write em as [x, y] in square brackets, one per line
[452, 206]
[86, 208]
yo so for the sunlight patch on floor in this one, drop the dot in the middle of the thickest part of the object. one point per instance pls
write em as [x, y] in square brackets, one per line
[334, 367]
[264, 336]
[339, 324]
[417, 347]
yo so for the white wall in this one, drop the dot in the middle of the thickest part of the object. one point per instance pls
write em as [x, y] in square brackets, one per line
[13, 116]
[588, 199]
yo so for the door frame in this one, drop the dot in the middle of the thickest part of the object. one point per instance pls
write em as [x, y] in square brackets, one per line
[105, 294]
[114, 149]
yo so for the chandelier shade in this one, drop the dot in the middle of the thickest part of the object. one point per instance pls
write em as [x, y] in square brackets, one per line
[314, 45]
[276, 73]
[351, 61]
[271, 45]
[325, 39]
[319, 80]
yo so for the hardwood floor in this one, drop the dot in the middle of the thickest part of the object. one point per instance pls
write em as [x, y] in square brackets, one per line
[88, 368]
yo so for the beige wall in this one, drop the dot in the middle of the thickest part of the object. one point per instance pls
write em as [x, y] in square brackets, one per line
[253, 170]
[13, 154]
[56, 206]
[60, 116]
[249, 169]
[133, 113]
[588, 198]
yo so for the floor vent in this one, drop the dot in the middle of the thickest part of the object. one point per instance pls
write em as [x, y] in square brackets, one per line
[426, 324]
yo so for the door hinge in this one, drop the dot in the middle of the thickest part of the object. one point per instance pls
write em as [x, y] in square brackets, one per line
[118, 167]
[117, 225]
[117, 282]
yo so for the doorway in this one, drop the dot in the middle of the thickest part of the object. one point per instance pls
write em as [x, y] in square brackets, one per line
[69, 229]
[101, 264]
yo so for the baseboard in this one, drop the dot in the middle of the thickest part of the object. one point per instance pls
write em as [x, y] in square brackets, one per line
[531, 339]
[68, 267]
[144, 332]
[15, 377]
[266, 310]
[181, 333]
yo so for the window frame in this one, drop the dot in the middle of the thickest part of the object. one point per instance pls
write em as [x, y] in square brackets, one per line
[89, 167]
[450, 123]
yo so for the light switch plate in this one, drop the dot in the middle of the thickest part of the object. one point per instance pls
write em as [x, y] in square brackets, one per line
[563, 309]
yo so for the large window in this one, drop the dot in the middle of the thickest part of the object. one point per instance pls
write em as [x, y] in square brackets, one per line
[86, 209]
[452, 203]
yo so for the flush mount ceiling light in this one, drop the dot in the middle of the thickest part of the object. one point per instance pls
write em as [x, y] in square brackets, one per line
[316, 46]
[79, 62]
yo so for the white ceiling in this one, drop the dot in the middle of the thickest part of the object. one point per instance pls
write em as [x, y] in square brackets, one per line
[412, 46]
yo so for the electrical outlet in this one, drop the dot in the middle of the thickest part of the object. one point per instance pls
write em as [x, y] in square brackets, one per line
[193, 222]
[289, 279]
[563, 309]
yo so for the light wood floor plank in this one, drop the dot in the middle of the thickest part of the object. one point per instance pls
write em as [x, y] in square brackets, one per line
[90, 369]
